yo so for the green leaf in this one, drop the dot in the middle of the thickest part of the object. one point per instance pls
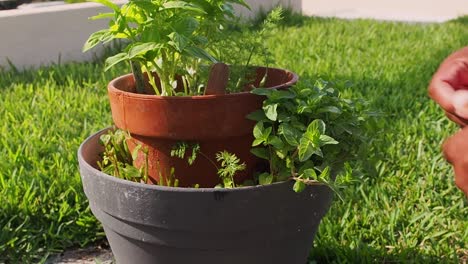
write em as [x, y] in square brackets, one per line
[330, 109]
[325, 174]
[178, 42]
[271, 111]
[299, 186]
[327, 140]
[281, 94]
[94, 39]
[186, 26]
[105, 139]
[307, 148]
[257, 142]
[289, 133]
[275, 142]
[261, 153]
[140, 49]
[102, 16]
[265, 178]
[144, 4]
[316, 126]
[130, 172]
[258, 115]
[258, 130]
[318, 152]
[262, 91]
[306, 165]
[111, 61]
[107, 3]
[182, 5]
[199, 53]
[135, 152]
[310, 174]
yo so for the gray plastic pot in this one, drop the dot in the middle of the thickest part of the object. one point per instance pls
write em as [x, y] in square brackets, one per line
[154, 224]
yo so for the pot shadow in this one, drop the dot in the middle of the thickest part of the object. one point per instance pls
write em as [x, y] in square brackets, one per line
[367, 254]
[463, 20]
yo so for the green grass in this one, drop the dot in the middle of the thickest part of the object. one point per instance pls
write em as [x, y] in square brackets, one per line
[404, 206]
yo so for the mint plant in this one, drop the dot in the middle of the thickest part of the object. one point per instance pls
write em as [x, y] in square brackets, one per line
[168, 37]
[306, 133]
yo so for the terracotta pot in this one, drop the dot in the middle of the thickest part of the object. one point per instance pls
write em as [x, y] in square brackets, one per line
[215, 122]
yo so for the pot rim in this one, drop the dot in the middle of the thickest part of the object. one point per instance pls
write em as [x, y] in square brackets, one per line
[88, 166]
[112, 88]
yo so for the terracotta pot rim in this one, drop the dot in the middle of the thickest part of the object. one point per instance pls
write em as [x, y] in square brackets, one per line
[95, 137]
[112, 88]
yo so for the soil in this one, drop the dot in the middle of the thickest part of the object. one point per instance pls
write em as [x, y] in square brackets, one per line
[96, 254]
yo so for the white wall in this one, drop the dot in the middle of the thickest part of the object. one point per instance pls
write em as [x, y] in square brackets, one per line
[266, 5]
[38, 36]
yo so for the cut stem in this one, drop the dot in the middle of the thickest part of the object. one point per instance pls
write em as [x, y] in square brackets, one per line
[138, 75]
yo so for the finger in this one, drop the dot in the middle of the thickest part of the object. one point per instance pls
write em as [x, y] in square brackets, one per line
[442, 93]
[455, 148]
[447, 150]
[455, 73]
[452, 75]
[460, 121]
[461, 176]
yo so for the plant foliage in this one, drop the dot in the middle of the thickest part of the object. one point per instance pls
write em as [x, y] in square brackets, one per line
[230, 165]
[306, 132]
[168, 37]
[117, 159]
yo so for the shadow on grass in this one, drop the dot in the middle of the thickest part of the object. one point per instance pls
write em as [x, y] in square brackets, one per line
[463, 20]
[334, 253]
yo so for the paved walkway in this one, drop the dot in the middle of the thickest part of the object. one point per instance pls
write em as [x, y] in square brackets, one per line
[399, 10]
[89, 255]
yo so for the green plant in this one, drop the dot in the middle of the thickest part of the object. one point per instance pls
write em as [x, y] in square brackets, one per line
[229, 162]
[167, 37]
[230, 165]
[245, 46]
[117, 159]
[119, 162]
[181, 148]
[306, 132]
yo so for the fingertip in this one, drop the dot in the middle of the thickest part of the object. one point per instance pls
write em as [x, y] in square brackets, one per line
[442, 93]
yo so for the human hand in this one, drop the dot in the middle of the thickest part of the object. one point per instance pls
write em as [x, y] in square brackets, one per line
[456, 152]
[449, 86]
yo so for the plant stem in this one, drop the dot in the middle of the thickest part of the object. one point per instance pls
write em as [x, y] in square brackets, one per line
[308, 182]
[138, 75]
[152, 80]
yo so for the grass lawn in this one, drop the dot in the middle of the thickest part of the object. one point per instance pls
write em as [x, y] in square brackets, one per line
[404, 206]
